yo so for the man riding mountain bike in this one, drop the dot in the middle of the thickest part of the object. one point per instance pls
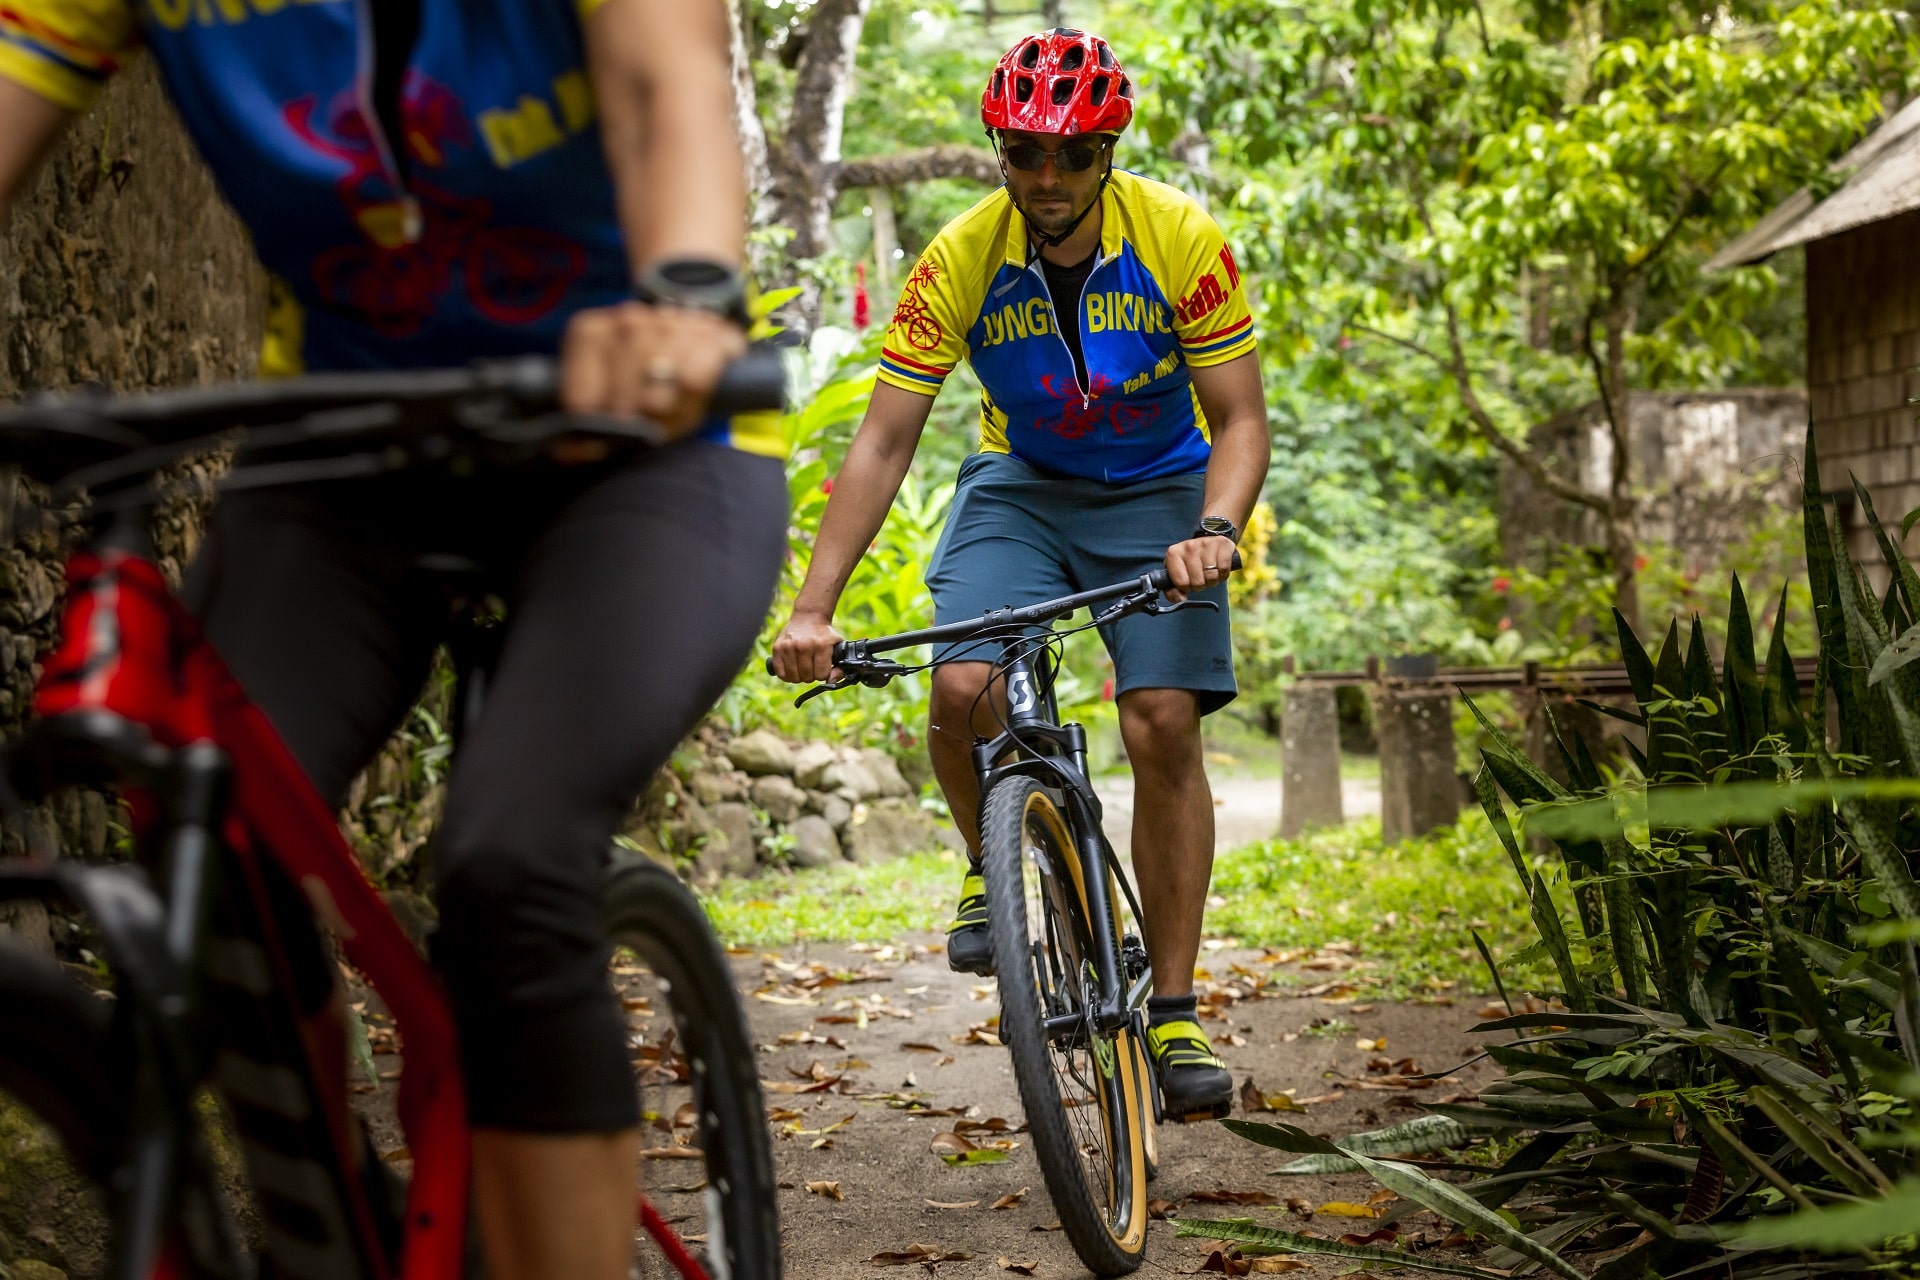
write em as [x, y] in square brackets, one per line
[429, 182]
[1122, 426]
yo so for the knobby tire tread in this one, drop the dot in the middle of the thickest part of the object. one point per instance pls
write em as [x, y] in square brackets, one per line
[1002, 844]
[650, 910]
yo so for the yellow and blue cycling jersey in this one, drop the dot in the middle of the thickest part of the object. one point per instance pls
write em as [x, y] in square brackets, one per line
[479, 230]
[1164, 297]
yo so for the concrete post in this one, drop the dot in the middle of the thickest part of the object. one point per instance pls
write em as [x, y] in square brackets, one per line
[1419, 790]
[1309, 759]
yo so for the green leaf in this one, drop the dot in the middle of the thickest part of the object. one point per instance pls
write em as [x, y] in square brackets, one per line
[361, 1045]
[1244, 1231]
[1903, 575]
[1443, 1198]
[1415, 1137]
[1843, 1229]
[979, 1155]
[1715, 808]
[1896, 655]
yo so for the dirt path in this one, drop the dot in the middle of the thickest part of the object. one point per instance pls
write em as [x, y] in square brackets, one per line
[897, 1193]
[1245, 809]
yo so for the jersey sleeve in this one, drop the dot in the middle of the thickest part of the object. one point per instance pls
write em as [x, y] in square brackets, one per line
[64, 50]
[1211, 318]
[928, 334]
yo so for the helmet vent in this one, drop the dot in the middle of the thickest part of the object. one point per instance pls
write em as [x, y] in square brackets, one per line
[1062, 90]
[1098, 94]
[1073, 59]
[1126, 87]
[999, 84]
[1030, 56]
[1023, 89]
[1106, 57]
[1068, 32]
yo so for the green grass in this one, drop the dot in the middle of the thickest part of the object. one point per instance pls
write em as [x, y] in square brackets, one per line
[1406, 910]
[914, 894]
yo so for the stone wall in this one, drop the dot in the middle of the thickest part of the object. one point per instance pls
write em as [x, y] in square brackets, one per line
[1708, 463]
[730, 808]
[1863, 369]
[119, 265]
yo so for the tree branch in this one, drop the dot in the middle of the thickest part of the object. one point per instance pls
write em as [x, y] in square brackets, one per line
[922, 164]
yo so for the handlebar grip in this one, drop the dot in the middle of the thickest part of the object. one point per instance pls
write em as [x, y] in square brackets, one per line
[839, 656]
[756, 381]
[1163, 582]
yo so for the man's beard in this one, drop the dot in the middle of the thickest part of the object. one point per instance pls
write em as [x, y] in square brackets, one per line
[1052, 223]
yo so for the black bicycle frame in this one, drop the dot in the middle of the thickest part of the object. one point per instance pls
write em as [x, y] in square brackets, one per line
[1033, 743]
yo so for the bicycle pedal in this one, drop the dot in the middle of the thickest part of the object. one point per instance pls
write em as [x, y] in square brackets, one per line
[1203, 1115]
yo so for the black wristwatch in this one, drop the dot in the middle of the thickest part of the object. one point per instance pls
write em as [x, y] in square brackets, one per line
[698, 283]
[1217, 527]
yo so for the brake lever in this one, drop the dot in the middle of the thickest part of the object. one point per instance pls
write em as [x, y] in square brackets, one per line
[1157, 607]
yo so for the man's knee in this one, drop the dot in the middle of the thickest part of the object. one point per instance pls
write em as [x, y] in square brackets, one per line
[517, 930]
[1161, 727]
[955, 705]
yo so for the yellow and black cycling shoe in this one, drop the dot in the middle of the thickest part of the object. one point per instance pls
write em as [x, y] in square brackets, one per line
[1194, 1083]
[968, 948]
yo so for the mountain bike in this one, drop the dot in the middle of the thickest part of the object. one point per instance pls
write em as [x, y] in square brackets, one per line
[220, 978]
[1062, 914]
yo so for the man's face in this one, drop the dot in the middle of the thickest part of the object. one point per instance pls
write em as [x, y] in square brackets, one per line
[1050, 197]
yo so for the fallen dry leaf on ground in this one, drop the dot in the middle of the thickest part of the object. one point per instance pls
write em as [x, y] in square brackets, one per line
[950, 1204]
[1385, 1235]
[1161, 1210]
[1275, 1266]
[1223, 1261]
[831, 1190]
[1223, 1196]
[1010, 1199]
[1019, 1268]
[950, 1144]
[919, 1254]
[1045, 1226]
[1254, 1099]
[1370, 1046]
[1347, 1209]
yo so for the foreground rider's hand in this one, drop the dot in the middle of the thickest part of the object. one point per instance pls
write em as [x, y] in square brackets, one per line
[803, 651]
[1198, 563]
[660, 363]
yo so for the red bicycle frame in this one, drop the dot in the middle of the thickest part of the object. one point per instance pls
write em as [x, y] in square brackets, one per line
[131, 657]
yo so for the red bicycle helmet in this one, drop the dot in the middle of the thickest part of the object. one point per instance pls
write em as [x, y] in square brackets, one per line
[1060, 81]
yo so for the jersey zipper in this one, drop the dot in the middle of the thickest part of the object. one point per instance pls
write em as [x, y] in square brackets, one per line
[1038, 267]
[410, 222]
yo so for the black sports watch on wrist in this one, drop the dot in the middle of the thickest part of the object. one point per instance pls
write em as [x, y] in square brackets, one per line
[696, 283]
[1217, 527]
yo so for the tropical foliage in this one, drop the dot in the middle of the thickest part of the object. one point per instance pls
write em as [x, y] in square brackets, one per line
[1737, 1034]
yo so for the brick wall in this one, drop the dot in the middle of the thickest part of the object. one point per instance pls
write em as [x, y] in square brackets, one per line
[1863, 367]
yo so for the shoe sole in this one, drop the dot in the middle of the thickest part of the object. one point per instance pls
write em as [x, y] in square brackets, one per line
[1219, 1111]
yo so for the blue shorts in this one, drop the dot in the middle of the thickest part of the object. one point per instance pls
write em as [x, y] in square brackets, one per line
[1016, 536]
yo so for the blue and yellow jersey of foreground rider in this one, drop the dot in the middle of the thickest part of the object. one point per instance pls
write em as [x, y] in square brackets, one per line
[478, 230]
[1165, 297]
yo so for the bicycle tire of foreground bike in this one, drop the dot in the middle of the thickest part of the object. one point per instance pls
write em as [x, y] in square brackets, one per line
[1087, 1121]
[704, 1067]
[59, 1059]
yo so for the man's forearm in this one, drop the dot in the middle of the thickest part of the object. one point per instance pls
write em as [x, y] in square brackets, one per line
[862, 495]
[32, 124]
[1237, 469]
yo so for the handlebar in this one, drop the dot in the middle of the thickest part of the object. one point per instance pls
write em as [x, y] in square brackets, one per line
[513, 400]
[856, 660]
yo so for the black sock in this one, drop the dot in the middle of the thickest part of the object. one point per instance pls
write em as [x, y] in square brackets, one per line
[1164, 1009]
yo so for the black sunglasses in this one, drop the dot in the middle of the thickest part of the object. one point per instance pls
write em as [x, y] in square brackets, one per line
[1075, 157]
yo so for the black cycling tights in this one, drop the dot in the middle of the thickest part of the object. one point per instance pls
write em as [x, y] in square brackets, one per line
[634, 590]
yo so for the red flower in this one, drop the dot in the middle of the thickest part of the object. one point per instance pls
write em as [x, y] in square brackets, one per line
[826, 486]
[1506, 624]
[1640, 564]
[1502, 585]
[1106, 690]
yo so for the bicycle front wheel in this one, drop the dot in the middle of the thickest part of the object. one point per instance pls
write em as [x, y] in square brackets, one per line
[1078, 1085]
[705, 1169]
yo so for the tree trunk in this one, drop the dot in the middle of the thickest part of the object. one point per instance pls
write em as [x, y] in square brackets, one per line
[746, 115]
[804, 166]
[1622, 505]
